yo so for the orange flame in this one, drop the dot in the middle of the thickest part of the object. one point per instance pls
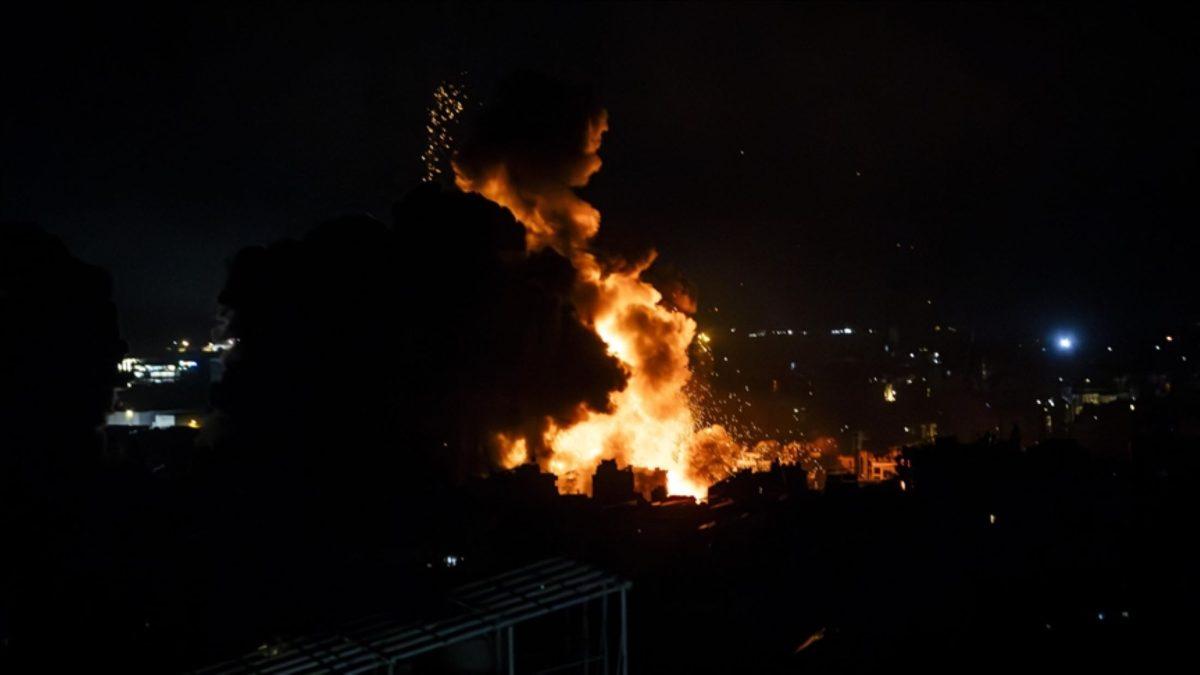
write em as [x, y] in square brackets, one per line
[651, 424]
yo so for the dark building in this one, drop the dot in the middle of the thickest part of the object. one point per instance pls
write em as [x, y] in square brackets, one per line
[747, 485]
[651, 484]
[611, 485]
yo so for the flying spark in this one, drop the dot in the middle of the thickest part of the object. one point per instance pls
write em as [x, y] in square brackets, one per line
[449, 102]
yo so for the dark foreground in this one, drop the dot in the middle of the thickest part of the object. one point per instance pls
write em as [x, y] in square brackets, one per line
[992, 557]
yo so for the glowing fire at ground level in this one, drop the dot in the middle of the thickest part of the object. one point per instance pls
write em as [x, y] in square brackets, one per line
[724, 457]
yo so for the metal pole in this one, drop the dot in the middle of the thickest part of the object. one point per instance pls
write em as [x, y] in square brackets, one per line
[496, 654]
[587, 641]
[604, 633]
[623, 662]
[512, 654]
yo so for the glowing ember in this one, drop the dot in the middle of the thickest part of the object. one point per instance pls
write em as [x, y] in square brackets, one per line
[444, 114]
[651, 425]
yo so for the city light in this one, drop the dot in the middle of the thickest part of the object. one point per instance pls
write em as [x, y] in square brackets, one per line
[1064, 343]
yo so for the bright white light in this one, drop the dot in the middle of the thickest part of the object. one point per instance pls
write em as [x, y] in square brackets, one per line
[1065, 342]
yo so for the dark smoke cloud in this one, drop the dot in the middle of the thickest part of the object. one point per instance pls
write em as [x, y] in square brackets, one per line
[435, 332]
[537, 132]
[678, 293]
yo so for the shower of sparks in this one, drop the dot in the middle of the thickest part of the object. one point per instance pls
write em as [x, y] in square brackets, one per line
[449, 102]
[710, 408]
[731, 410]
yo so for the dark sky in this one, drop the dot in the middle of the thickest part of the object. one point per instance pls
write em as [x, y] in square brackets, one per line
[1035, 164]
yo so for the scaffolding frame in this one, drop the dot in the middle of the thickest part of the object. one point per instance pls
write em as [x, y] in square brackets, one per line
[493, 606]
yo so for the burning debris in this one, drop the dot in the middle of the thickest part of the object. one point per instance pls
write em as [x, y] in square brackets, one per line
[449, 105]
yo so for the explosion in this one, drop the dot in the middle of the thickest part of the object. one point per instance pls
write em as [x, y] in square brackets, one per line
[530, 159]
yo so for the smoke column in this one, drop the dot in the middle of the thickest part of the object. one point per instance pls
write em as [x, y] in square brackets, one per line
[535, 145]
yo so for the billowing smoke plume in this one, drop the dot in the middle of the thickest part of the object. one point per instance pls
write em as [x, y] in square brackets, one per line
[536, 143]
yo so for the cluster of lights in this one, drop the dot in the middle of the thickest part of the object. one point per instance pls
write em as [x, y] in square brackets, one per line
[223, 346]
[155, 372]
[778, 331]
[791, 331]
[445, 113]
[162, 420]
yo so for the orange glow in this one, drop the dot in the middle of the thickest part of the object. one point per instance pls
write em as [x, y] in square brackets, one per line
[515, 453]
[651, 425]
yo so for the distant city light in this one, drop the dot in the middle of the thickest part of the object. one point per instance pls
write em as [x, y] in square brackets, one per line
[218, 346]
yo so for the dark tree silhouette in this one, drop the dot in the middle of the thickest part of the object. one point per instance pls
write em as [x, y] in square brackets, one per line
[372, 367]
[63, 511]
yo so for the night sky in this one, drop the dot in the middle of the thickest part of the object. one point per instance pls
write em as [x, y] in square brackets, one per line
[1022, 167]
